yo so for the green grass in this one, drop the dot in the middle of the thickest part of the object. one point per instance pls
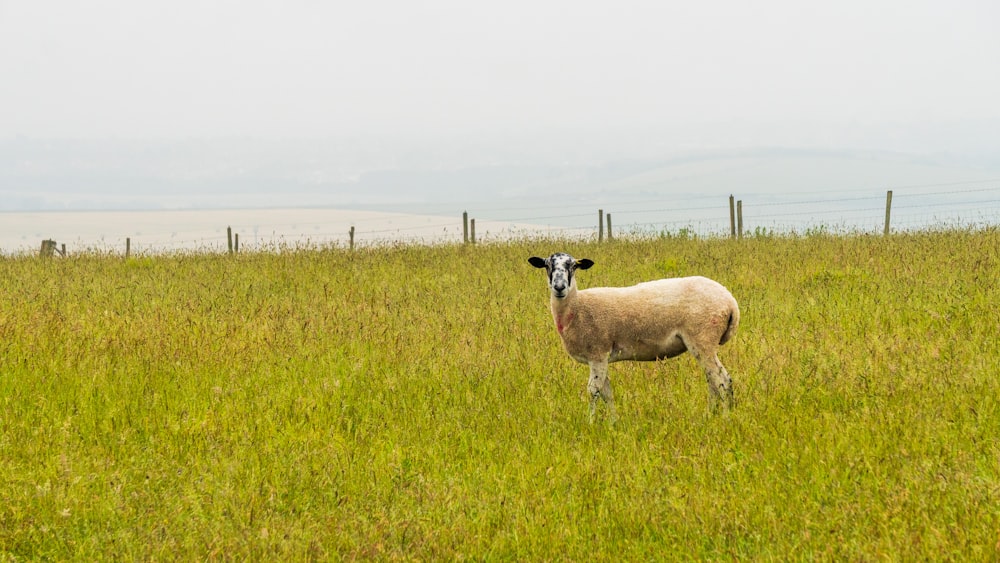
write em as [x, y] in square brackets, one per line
[415, 403]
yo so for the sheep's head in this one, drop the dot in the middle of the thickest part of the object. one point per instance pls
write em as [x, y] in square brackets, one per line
[560, 267]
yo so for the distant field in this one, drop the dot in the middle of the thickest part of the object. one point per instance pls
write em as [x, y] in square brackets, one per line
[205, 230]
[413, 402]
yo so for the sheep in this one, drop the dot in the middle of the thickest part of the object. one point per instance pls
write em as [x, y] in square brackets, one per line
[645, 322]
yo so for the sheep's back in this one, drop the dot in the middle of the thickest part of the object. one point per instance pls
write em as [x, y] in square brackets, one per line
[670, 304]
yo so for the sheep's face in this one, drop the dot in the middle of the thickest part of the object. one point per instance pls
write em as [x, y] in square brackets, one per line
[560, 268]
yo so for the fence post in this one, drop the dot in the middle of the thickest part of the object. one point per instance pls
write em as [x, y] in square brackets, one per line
[229, 237]
[609, 226]
[739, 219]
[48, 248]
[63, 251]
[732, 216]
[128, 247]
[236, 243]
[465, 227]
[351, 234]
[600, 225]
[888, 207]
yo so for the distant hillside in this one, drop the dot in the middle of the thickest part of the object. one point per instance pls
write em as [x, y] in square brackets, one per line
[89, 175]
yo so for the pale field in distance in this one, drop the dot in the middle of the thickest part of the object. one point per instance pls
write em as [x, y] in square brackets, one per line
[206, 230]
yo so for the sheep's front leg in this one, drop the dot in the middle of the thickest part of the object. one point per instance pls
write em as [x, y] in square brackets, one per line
[599, 385]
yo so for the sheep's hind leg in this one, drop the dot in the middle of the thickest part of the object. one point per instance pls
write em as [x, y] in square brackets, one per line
[599, 385]
[720, 385]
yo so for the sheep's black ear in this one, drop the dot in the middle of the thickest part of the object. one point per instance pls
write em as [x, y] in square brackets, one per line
[536, 262]
[584, 263]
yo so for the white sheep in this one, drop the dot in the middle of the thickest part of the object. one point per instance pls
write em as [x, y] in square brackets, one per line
[649, 321]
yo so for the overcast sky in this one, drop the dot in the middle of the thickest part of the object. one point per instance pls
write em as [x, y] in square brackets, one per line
[301, 68]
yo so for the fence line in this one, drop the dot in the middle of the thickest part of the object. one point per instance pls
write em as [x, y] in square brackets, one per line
[762, 213]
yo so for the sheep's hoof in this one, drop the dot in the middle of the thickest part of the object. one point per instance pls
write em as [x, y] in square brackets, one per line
[721, 406]
[612, 416]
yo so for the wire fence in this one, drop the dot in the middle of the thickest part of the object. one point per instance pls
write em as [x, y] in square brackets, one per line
[911, 209]
[974, 204]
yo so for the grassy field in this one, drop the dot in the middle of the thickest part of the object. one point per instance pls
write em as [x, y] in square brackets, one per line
[415, 403]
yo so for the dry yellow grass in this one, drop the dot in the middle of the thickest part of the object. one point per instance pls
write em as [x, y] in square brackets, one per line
[414, 403]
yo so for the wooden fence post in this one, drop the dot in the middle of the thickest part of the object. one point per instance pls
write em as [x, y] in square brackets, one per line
[472, 231]
[351, 234]
[600, 225]
[732, 216]
[229, 236]
[465, 227]
[609, 226]
[48, 249]
[888, 207]
[739, 219]
[236, 243]
[128, 247]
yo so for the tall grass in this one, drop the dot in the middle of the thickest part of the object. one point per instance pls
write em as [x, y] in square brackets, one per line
[415, 403]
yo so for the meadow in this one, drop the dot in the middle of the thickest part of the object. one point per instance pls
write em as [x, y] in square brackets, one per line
[414, 403]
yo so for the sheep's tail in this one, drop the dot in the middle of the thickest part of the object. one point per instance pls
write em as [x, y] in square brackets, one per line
[734, 322]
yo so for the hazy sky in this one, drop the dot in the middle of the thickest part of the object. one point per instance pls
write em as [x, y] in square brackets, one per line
[302, 68]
